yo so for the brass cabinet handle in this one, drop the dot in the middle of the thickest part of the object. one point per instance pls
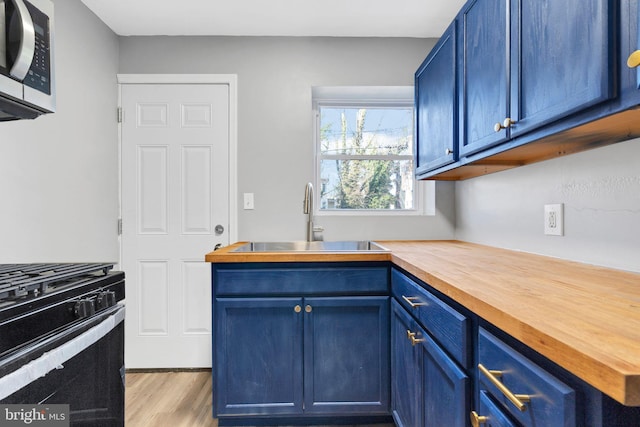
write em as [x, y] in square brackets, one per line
[634, 59]
[410, 301]
[517, 399]
[476, 419]
[297, 309]
[415, 340]
[308, 309]
[507, 123]
[412, 337]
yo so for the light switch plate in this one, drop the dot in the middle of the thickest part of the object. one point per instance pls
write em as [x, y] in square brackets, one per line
[554, 219]
[248, 201]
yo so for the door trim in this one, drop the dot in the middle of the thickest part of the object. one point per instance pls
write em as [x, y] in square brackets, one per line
[230, 80]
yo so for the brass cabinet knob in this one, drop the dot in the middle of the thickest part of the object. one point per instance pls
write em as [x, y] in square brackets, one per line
[634, 59]
[297, 309]
[476, 419]
[308, 309]
[507, 123]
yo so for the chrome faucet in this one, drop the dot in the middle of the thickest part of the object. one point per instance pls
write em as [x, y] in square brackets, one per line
[308, 210]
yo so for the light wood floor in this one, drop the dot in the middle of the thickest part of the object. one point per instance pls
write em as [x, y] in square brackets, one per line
[173, 399]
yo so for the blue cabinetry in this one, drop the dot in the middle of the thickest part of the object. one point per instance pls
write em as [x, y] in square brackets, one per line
[527, 392]
[258, 361]
[436, 106]
[485, 76]
[323, 352]
[429, 387]
[535, 80]
[530, 62]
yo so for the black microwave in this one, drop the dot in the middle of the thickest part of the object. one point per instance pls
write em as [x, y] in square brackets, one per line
[27, 77]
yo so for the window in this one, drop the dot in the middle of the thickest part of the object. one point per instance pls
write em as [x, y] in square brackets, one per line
[364, 149]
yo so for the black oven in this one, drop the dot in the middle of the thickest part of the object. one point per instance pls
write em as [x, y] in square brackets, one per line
[62, 340]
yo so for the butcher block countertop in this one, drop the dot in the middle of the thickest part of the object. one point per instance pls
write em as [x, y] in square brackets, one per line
[584, 318]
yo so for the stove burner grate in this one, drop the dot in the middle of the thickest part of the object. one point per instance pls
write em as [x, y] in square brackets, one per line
[17, 280]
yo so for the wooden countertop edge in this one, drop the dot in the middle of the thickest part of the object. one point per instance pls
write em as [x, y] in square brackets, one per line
[226, 255]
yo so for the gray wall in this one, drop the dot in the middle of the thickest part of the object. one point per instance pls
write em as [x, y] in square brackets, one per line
[59, 173]
[275, 133]
[600, 190]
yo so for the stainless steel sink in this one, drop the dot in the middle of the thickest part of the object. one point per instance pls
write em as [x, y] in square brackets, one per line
[318, 246]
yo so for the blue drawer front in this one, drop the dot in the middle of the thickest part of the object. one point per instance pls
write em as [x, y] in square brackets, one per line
[494, 415]
[446, 325]
[300, 281]
[552, 404]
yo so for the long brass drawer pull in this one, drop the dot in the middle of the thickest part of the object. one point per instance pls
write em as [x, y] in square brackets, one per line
[410, 301]
[518, 400]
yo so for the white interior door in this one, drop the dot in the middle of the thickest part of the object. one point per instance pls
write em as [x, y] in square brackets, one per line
[175, 208]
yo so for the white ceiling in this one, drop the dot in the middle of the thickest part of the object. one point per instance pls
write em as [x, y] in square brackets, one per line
[339, 18]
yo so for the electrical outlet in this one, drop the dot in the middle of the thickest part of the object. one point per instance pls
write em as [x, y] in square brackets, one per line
[248, 201]
[554, 219]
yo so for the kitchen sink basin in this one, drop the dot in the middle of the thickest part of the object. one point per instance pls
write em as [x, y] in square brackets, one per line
[317, 246]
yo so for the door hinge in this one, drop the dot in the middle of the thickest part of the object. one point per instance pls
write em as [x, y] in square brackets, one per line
[119, 226]
[120, 114]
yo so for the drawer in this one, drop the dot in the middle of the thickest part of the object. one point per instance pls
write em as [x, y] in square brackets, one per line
[446, 325]
[292, 279]
[551, 402]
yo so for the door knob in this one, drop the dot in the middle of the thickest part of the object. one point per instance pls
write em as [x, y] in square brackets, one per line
[219, 229]
[634, 59]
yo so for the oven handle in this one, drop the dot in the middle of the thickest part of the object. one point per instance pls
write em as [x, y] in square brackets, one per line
[54, 359]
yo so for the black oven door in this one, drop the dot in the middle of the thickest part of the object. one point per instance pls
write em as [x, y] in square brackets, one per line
[82, 366]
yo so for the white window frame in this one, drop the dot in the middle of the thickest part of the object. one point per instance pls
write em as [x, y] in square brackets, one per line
[367, 96]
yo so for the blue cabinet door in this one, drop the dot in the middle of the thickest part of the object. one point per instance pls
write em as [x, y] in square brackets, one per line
[406, 370]
[446, 393]
[258, 346]
[436, 106]
[485, 74]
[346, 355]
[561, 59]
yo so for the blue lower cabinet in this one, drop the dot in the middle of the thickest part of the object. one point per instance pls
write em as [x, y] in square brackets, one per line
[529, 393]
[258, 356]
[346, 356]
[296, 358]
[406, 370]
[437, 390]
[445, 386]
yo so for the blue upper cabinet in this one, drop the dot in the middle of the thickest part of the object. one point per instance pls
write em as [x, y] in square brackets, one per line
[530, 76]
[485, 78]
[436, 106]
[528, 63]
[561, 59]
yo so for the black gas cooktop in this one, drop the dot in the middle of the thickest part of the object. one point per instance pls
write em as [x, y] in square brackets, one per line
[38, 299]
